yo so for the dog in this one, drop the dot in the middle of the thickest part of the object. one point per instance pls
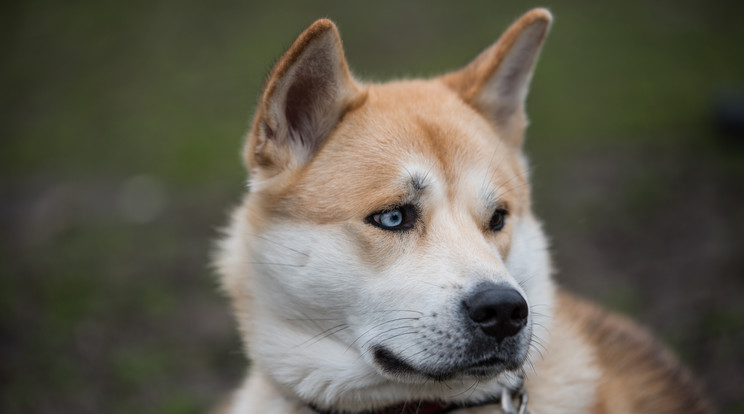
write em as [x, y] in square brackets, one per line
[386, 258]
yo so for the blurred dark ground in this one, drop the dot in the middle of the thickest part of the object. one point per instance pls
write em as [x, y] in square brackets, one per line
[121, 129]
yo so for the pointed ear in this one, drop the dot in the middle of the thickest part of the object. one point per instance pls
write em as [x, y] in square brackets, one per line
[306, 94]
[496, 82]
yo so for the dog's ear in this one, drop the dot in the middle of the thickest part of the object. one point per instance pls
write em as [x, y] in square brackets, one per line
[496, 82]
[306, 93]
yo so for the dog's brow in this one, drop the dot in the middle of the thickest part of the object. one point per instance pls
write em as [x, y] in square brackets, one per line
[418, 183]
[489, 199]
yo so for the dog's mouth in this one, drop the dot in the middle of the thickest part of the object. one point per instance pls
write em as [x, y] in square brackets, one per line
[484, 367]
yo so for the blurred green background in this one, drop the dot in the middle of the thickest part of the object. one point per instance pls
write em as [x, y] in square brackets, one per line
[122, 124]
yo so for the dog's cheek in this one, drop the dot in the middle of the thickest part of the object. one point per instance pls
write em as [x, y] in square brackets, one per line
[303, 267]
[529, 264]
[378, 249]
[502, 241]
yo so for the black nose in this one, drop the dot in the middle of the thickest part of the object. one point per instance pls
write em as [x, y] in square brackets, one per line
[499, 311]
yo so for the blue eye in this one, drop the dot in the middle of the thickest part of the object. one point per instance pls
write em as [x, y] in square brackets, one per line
[391, 218]
[398, 218]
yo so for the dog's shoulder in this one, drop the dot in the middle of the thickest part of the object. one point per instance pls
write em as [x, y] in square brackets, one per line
[638, 374]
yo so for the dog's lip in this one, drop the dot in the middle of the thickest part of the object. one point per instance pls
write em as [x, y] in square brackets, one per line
[392, 364]
[486, 362]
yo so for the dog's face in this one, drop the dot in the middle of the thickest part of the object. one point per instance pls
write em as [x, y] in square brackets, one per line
[387, 250]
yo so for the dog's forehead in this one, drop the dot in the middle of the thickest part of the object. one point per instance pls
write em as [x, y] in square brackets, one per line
[420, 123]
[405, 134]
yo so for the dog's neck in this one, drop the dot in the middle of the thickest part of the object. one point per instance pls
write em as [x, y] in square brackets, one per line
[420, 407]
[510, 401]
[261, 394]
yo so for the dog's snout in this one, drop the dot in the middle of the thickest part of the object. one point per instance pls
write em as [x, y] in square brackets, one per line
[499, 311]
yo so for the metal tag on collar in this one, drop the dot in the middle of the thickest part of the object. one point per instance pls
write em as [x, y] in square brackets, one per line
[507, 404]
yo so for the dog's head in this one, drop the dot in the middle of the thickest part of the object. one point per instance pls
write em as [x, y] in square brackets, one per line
[387, 249]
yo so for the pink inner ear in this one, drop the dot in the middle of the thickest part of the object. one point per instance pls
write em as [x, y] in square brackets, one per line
[516, 68]
[297, 109]
[311, 86]
[270, 134]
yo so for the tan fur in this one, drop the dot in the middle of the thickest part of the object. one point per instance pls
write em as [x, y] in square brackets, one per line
[638, 375]
[327, 151]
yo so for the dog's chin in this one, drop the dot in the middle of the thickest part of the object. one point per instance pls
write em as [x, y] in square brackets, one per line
[481, 368]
